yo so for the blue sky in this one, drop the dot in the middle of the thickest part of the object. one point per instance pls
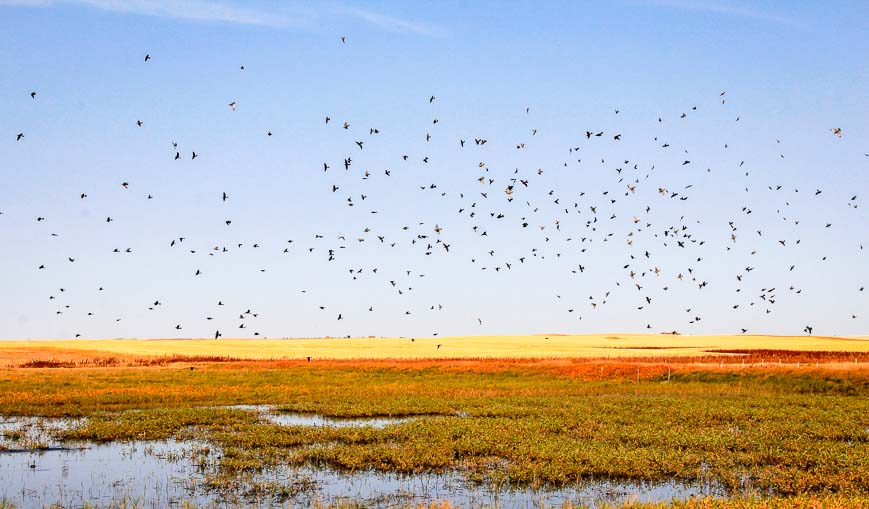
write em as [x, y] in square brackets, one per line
[792, 71]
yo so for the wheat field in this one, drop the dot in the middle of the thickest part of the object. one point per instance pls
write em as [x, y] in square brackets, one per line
[518, 346]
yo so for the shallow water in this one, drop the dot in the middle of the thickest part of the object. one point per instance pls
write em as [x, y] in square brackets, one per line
[59, 423]
[163, 474]
[381, 489]
[20, 434]
[271, 414]
[99, 474]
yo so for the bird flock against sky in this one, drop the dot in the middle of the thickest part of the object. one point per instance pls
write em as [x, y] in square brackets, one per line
[207, 169]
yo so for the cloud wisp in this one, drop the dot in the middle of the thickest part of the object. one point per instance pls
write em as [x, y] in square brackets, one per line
[722, 8]
[225, 12]
[392, 23]
[193, 10]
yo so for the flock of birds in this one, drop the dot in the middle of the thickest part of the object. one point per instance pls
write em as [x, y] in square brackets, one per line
[492, 197]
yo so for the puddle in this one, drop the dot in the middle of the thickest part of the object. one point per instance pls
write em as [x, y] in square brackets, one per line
[381, 489]
[23, 434]
[291, 419]
[47, 423]
[271, 414]
[168, 473]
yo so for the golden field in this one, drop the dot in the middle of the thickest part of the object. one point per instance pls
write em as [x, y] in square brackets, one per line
[505, 347]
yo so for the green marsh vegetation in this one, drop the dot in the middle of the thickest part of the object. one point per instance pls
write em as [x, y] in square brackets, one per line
[774, 433]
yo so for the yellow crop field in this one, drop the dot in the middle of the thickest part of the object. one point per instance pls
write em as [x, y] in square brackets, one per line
[526, 346]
